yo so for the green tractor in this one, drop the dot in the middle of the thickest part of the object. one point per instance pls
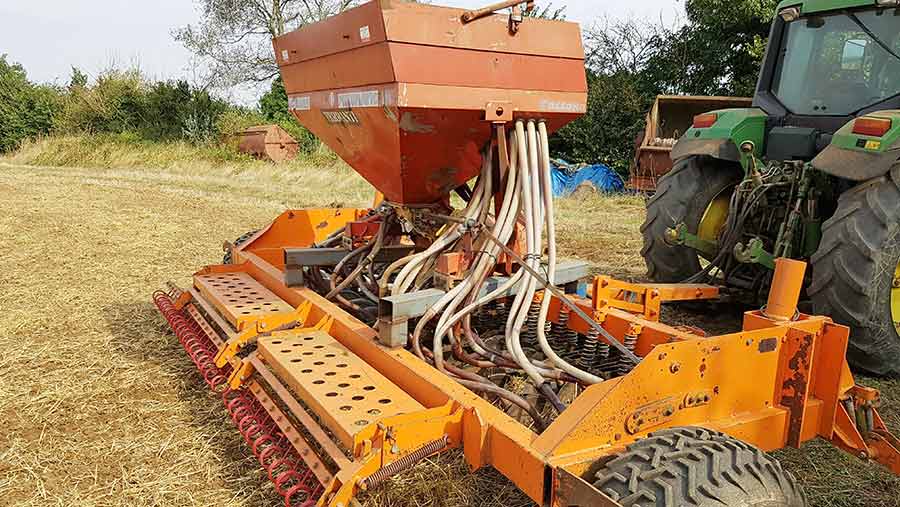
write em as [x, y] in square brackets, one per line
[810, 172]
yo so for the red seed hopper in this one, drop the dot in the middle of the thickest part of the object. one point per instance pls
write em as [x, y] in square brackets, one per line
[401, 91]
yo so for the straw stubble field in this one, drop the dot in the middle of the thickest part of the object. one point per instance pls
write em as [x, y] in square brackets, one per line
[100, 406]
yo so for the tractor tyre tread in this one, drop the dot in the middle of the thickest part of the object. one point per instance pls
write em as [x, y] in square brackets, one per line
[853, 269]
[697, 467]
[682, 195]
[226, 259]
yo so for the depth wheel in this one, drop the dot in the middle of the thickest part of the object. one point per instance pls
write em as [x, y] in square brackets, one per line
[697, 191]
[700, 468]
[226, 259]
[856, 273]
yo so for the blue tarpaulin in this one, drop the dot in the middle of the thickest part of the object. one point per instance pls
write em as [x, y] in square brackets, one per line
[567, 177]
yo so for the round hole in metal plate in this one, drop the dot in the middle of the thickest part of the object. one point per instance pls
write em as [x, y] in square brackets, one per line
[276, 342]
[358, 398]
[331, 394]
[295, 345]
[354, 376]
[285, 351]
[361, 422]
[298, 360]
[346, 408]
[318, 382]
[374, 411]
[369, 388]
[319, 363]
[307, 353]
[329, 355]
[384, 401]
[330, 373]
[342, 365]
[319, 347]
[307, 338]
[343, 385]
[306, 371]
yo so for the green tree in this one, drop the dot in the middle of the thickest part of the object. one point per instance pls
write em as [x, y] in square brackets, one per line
[233, 37]
[274, 107]
[718, 51]
[26, 110]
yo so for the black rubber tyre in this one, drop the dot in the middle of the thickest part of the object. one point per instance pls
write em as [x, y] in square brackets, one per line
[695, 467]
[226, 259]
[854, 268]
[682, 195]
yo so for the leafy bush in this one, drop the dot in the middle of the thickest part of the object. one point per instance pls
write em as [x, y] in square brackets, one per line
[26, 110]
[123, 101]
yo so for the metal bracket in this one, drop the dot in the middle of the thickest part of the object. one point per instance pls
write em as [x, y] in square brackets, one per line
[680, 236]
[228, 353]
[754, 253]
[573, 491]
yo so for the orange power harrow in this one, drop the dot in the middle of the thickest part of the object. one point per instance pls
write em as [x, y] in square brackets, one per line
[349, 344]
[292, 478]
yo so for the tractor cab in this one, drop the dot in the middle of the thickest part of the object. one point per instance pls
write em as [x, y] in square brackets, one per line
[824, 68]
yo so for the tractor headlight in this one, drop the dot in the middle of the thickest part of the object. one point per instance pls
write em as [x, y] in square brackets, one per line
[789, 14]
[887, 3]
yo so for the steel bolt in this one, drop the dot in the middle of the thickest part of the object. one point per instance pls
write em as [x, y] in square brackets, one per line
[674, 367]
[896, 283]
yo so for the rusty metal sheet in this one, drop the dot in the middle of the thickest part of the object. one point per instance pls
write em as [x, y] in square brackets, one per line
[795, 385]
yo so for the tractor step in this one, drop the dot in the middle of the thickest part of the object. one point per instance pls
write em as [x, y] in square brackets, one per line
[240, 298]
[345, 392]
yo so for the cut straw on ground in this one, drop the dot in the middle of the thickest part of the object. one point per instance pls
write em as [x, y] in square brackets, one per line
[99, 404]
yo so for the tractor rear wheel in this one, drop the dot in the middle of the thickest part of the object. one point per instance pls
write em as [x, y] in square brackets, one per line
[697, 467]
[227, 259]
[696, 192]
[856, 273]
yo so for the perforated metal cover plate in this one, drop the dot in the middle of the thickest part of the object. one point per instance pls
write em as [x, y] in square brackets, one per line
[343, 390]
[239, 297]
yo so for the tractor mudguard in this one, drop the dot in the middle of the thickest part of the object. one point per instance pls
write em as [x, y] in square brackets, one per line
[732, 128]
[859, 157]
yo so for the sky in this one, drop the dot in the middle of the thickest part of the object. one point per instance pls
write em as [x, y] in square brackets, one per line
[48, 37]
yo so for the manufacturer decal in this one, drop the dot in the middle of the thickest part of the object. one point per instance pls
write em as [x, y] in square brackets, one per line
[365, 34]
[285, 55]
[873, 145]
[562, 107]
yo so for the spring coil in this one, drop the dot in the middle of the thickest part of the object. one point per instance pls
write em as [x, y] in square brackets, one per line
[529, 335]
[625, 364]
[573, 341]
[559, 332]
[406, 462]
[588, 354]
[293, 480]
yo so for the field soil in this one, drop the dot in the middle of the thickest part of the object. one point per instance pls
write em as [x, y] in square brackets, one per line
[99, 405]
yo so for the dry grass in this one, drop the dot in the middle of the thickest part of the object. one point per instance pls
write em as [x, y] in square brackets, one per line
[100, 406]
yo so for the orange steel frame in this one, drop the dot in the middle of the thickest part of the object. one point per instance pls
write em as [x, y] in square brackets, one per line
[779, 382]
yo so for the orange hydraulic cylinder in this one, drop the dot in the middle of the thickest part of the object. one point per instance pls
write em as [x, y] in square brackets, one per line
[785, 290]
